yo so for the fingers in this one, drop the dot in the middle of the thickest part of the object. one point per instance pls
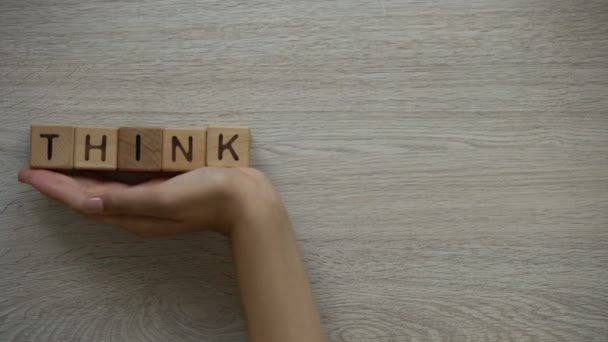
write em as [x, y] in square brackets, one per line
[205, 198]
[89, 196]
[55, 185]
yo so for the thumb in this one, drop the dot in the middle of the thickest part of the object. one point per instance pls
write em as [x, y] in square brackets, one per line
[139, 201]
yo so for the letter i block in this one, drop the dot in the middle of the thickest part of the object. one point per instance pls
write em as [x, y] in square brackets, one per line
[184, 149]
[96, 148]
[52, 147]
[228, 146]
[140, 149]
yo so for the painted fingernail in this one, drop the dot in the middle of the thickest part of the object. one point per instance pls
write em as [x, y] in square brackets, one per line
[93, 205]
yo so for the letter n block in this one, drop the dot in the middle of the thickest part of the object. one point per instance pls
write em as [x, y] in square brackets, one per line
[140, 149]
[52, 147]
[184, 149]
[96, 148]
[228, 146]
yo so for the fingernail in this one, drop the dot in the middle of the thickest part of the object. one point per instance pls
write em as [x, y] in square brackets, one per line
[22, 177]
[93, 205]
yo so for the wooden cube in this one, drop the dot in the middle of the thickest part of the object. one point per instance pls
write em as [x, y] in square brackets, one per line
[228, 146]
[140, 149]
[52, 147]
[184, 149]
[95, 148]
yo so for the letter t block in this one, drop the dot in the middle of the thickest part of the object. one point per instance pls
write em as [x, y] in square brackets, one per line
[52, 147]
[96, 148]
[228, 146]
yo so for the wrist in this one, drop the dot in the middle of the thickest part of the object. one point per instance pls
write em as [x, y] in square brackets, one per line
[256, 204]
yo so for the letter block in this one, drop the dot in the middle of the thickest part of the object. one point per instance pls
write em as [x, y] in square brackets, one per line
[96, 148]
[140, 149]
[228, 146]
[184, 149]
[52, 147]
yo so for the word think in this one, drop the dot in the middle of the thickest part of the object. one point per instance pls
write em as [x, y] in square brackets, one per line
[143, 149]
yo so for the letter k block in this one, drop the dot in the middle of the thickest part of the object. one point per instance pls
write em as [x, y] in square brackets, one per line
[228, 146]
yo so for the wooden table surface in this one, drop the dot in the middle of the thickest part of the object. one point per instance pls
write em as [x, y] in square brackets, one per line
[445, 163]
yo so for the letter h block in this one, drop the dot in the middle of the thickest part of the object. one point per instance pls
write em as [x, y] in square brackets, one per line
[96, 148]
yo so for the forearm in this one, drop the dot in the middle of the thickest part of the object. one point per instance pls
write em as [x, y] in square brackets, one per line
[275, 290]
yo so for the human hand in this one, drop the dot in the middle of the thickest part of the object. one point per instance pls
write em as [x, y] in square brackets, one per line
[206, 198]
[239, 202]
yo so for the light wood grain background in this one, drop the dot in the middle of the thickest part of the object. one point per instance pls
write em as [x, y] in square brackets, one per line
[445, 163]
